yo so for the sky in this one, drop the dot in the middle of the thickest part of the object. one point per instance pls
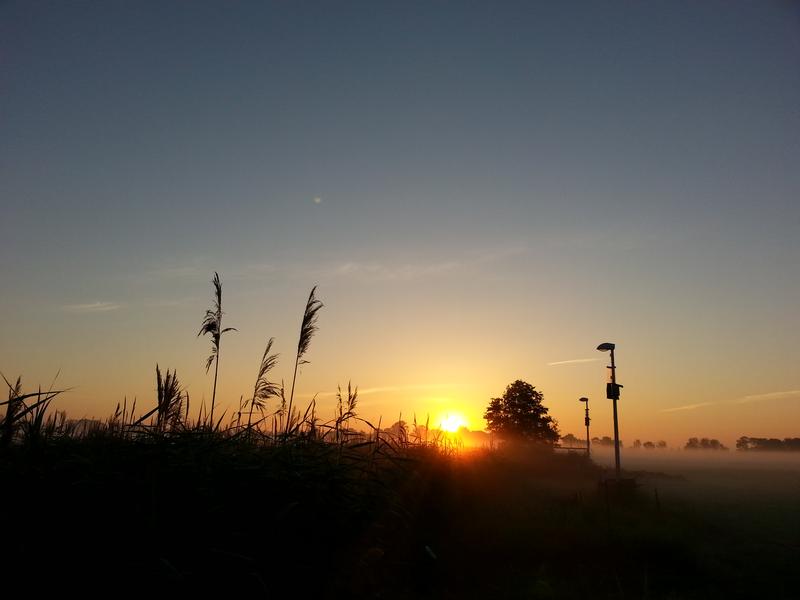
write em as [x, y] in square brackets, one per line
[482, 191]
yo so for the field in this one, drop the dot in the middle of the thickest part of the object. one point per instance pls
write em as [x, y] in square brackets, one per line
[202, 513]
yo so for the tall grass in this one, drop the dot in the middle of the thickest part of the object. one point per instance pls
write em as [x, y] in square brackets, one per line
[13, 406]
[345, 410]
[25, 413]
[212, 325]
[169, 409]
[308, 328]
[118, 423]
[264, 389]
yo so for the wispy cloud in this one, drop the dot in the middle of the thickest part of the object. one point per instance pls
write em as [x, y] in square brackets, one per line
[193, 272]
[173, 302]
[92, 307]
[496, 254]
[574, 361]
[253, 271]
[384, 272]
[200, 271]
[365, 270]
[406, 388]
[769, 396]
[784, 395]
[688, 407]
[389, 389]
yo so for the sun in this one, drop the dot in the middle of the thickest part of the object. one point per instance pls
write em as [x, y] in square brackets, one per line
[452, 423]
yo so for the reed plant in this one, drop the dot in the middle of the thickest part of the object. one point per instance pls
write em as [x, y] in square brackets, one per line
[25, 413]
[212, 325]
[308, 328]
[345, 410]
[264, 389]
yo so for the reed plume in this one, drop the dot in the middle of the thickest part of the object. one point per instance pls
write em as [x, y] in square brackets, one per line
[212, 324]
[13, 405]
[345, 408]
[264, 389]
[307, 330]
[170, 400]
[18, 408]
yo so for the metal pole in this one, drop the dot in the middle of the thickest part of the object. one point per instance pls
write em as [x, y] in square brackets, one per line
[616, 425]
[588, 442]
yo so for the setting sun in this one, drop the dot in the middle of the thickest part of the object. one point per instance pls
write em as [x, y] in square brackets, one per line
[452, 423]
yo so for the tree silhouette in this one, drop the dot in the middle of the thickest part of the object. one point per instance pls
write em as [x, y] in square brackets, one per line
[571, 440]
[704, 444]
[752, 443]
[520, 415]
[609, 442]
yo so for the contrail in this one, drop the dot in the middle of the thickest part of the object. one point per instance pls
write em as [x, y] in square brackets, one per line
[574, 361]
[687, 407]
[92, 307]
[769, 396]
[743, 400]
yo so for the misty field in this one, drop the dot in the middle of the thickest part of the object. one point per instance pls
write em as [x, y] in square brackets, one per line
[203, 513]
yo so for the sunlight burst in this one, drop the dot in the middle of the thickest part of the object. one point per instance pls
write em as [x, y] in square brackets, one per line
[452, 423]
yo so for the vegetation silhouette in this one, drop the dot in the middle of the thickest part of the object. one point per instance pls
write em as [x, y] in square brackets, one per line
[519, 415]
[25, 412]
[212, 325]
[648, 445]
[758, 444]
[308, 327]
[170, 398]
[285, 504]
[704, 444]
[264, 389]
[605, 441]
[571, 440]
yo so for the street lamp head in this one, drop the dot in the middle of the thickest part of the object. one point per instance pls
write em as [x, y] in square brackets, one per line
[583, 399]
[606, 346]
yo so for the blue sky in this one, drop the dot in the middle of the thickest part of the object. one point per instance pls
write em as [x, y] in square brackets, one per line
[479, 189]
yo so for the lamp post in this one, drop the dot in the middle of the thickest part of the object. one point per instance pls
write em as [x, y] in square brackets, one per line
[586, 421]
[612, 393]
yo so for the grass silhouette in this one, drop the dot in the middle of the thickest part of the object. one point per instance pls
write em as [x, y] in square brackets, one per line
[284, 504]
[212, 325]
[308, 328]
[198, 512]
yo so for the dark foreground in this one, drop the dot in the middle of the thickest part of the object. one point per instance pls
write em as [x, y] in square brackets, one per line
[207, 516]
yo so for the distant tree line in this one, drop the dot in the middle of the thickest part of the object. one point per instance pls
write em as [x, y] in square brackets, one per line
[704, 444]
[768, 444]
[605, 441]
[743, 443]
[660, 444]
[571, 440]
